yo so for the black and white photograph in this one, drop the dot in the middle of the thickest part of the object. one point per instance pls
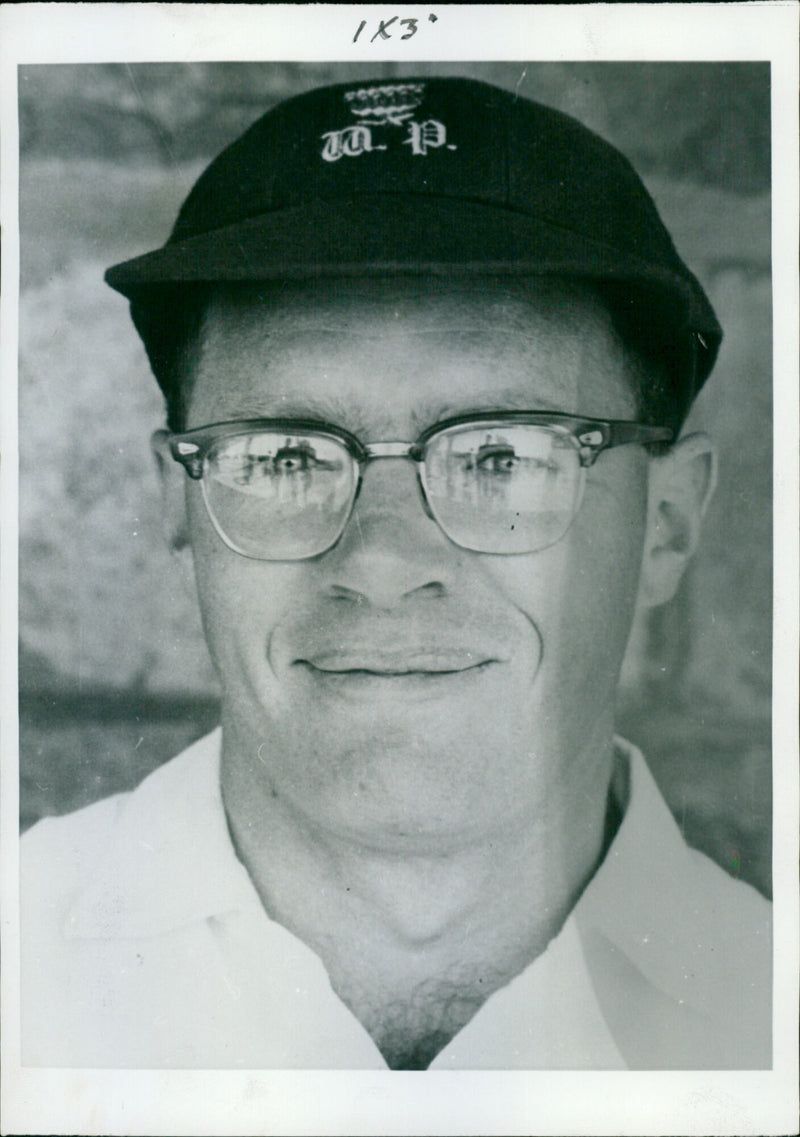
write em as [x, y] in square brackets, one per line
[398, 542]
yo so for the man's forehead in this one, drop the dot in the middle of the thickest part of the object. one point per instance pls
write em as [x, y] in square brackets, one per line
[422, 346]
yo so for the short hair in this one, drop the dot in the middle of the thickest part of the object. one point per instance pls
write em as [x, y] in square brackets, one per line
[169, 319]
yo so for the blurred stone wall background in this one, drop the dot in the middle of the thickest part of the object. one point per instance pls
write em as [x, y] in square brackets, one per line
[113, 672]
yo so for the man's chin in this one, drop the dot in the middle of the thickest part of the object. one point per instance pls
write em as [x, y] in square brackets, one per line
[422, 785]
[393, 761]
[400, 824]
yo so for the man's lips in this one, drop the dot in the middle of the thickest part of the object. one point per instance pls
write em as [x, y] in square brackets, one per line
[396, 664]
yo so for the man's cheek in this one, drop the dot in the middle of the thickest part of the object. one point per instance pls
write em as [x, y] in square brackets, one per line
[577, 598]
[244, 604]
[597, 613]
[229, 606]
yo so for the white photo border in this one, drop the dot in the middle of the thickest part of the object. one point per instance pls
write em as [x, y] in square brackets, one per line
[282, 1102]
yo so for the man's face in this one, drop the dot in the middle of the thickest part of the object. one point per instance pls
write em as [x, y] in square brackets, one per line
[398, 688]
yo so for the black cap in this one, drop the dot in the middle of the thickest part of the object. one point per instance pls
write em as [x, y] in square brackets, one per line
[435, 175]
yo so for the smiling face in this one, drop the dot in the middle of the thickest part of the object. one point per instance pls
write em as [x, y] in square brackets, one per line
[398, 689]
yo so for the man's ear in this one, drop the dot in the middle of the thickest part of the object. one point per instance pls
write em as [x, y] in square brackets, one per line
[172, 480]
[681, 484]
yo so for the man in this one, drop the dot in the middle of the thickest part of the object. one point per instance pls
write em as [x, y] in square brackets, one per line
[426, 349]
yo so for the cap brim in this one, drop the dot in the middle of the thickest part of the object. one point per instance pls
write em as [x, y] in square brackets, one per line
[387, 234]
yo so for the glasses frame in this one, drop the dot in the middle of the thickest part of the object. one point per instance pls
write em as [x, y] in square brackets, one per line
[590, 437]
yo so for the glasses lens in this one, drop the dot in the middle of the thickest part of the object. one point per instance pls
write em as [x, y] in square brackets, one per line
[497, 488]
[277, 496]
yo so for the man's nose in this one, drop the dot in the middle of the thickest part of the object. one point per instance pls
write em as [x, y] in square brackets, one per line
[391, 550]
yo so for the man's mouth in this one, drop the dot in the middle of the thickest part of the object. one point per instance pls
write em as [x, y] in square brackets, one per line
[420, 664]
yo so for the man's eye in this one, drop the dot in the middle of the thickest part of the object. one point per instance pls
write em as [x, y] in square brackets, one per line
[294, 459]
[497, 459]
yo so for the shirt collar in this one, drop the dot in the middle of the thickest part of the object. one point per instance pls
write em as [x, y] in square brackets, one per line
[621, 928]
[170, 860]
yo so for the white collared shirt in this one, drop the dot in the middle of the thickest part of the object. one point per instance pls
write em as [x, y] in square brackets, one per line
[145, 945]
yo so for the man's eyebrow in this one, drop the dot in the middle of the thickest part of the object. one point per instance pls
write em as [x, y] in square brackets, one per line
[331, 410]
[341, 412]
[478, 403]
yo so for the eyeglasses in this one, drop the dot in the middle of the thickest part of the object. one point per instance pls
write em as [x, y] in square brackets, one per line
[504, 483]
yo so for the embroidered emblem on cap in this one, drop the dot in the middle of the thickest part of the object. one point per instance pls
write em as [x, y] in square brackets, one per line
[376, 106]
[380, 107]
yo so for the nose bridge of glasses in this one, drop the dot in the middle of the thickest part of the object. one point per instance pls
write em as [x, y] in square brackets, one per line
[390, 545]
[375, 450]
[389, 488]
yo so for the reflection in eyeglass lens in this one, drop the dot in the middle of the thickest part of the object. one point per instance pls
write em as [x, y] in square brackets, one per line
[295, 472]
[507, 489]
[521, 467]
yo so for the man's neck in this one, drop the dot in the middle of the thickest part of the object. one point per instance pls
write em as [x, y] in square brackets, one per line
[415, 940]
